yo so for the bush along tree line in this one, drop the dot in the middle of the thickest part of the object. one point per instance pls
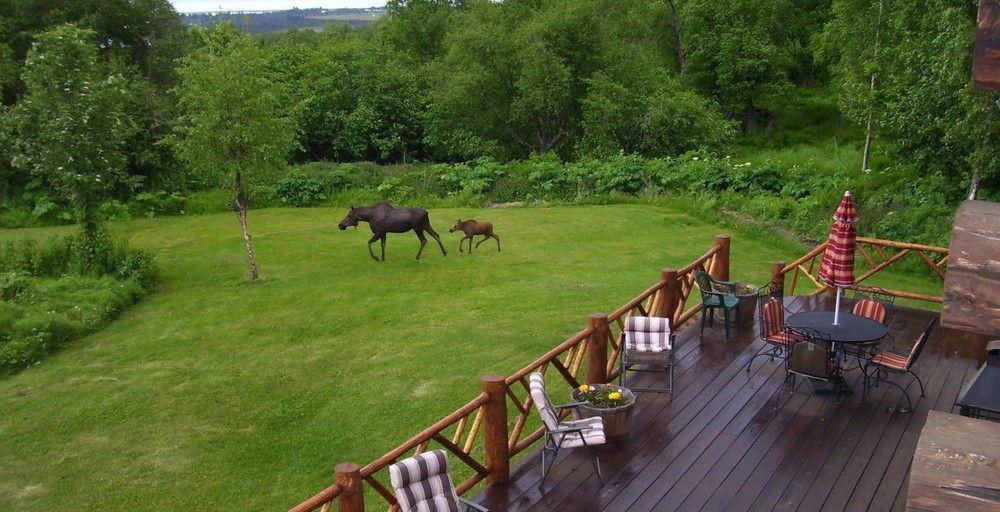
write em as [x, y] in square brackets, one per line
[204, 119]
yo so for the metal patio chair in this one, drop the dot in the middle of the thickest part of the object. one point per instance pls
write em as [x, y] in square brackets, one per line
[812, 357]
[422, 483]
[715, 295]
[778, 337]
[873, 303]
[586, 433]
[886, 363]
[648, 346]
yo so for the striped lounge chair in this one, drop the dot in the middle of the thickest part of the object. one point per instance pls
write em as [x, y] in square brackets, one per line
[585, 433]
[422, 483]
[648, 347]
[884, 363]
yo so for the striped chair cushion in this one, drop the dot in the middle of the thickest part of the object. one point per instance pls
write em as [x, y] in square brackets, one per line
[773, 315]
[891, 360]
[870, 309]
[647, 334]
[423, 483]
[783, 338]
[593, 433]
[545, 409]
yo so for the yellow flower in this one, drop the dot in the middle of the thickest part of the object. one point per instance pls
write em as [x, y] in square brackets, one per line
[584, 388]
[615, 395]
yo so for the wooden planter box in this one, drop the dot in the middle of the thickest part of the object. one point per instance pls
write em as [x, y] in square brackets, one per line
[748, 306]
[617, 420]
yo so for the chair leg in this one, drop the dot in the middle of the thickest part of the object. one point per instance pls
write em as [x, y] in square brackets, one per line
[915, 376]
[725, 314]
[596, 461]
[704, 312]
[545, 470]
[909, 404]
[768, 351]
[670, 380]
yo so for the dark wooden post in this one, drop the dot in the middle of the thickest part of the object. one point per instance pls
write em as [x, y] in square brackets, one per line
[495, 421]
[720, 269]
[597, 349]
[778, 278]
[670, 293]
[352, 495]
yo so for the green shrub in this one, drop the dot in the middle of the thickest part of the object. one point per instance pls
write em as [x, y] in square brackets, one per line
[153, 204]
[115, 210]
[393, 190]
[298, 189]
[13, 285]
[48, 297]
[9, 313]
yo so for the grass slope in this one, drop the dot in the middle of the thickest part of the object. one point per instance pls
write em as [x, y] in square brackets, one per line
[217, 395]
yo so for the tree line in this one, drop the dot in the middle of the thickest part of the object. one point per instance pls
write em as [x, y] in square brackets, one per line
[107, 98]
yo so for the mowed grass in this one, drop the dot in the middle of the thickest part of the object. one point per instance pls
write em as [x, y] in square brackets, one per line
[213, 394]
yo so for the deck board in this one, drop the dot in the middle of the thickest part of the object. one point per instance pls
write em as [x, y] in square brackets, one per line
[732, 440]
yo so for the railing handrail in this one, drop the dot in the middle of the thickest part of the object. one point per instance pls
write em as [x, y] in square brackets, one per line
[575, 348]
[903, 249]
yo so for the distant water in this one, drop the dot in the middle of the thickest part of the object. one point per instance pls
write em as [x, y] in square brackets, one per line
[267, 5]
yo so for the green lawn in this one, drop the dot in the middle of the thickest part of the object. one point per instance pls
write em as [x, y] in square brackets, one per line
[217, 395]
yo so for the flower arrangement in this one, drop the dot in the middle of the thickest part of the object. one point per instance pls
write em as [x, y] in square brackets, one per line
[605, 396]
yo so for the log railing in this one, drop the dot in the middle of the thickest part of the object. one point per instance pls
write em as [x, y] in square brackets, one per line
[483, 435]
[871, 257]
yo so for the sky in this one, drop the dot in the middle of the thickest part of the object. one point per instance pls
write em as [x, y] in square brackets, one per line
[266, 5]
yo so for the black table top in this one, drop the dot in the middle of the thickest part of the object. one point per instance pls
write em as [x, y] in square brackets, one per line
[851, 329]
[982, 390]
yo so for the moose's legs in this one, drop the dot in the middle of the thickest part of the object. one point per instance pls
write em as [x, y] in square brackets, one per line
[374, 237]
[462, 241]
[491, 235]
[423, 241]
[429, 229]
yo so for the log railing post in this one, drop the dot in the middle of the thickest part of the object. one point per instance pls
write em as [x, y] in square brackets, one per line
[778, 277]
[597, 349]
[670, 294]
[495, 421]
[720, 267]
[352, 495]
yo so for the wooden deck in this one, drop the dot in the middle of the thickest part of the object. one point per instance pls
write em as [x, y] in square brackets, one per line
[732, 441]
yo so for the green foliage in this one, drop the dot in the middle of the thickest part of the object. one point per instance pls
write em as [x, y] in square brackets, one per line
[922, 60]
[71, 125]
[299, 189]
[743, 52]
[233, 125]
[639, 108]
[393, 189]
[51, 295]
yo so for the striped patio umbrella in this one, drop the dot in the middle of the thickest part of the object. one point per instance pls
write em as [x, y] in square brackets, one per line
[837, 267]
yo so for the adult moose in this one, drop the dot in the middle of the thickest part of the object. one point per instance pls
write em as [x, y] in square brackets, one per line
[383, 218]
[471, 228]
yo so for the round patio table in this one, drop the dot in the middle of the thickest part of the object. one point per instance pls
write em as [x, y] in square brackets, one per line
[851, 329]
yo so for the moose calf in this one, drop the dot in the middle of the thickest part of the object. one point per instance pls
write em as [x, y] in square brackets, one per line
[471, 228]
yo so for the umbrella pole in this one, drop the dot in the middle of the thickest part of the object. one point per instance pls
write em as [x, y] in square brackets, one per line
[836, 311]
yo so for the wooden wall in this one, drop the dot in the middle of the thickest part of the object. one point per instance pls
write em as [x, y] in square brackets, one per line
[972, 283]
[986, 52]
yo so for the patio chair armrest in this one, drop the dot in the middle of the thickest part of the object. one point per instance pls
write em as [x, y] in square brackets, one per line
[472, 506]
[564, 430]
[569, 405]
